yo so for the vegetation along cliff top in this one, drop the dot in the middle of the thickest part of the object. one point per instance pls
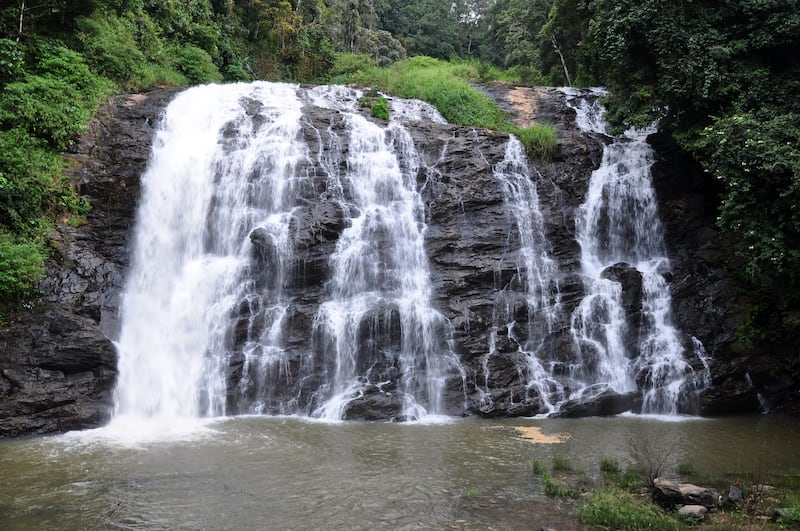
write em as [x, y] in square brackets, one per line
[722, 80]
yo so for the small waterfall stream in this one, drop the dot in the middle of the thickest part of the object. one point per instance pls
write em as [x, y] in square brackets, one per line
[527, 308]
[622, 248]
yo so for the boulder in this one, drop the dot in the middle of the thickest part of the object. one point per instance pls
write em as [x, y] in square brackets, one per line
[670, 493]
[732, 497]
[602, 404]
[693, 512]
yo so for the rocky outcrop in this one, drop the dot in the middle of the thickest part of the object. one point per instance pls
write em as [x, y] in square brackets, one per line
[57, 362]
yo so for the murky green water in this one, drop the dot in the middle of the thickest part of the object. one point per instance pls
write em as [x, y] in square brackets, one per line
[283, 473]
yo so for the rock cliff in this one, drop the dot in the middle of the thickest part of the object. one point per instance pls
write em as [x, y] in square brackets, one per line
[57, 361]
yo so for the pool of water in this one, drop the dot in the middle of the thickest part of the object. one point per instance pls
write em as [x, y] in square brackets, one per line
[288, 473]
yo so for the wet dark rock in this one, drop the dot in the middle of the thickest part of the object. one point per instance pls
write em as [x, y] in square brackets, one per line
[375, 404]
[602, 403]
[732, 497]
[57, 364]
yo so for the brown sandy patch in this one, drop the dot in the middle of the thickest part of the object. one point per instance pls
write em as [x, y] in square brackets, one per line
[534, 434]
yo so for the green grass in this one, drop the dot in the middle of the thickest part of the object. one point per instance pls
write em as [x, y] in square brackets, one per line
[538, 467]
[556, 488]
[686, 469]
[609, 465]
[446, 85]
[616, 509]
[790, 517]
[561, 462]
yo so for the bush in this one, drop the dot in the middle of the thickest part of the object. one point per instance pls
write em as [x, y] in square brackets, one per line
[616, 509]
[538, 467]
[555, 488]
[129, 50]
[539, 140]
[380, 108]
[609, 465]
[445, 86]
[110, 44]
[561, 462]
[196, 64]
[789, 517]
[21, 268]
[28, 173]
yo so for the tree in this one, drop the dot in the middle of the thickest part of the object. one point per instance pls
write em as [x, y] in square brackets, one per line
[723, 78]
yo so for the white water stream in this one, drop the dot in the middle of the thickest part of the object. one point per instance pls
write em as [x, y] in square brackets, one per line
[225, 179]
[536, 279]
[618, 225]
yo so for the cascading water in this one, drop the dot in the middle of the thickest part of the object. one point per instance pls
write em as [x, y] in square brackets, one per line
[621, 237]
[380, 283]
[526, 309]
[214, 178]
[214, 264]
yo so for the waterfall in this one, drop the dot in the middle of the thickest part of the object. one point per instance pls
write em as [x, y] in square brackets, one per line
[279, 266]
[216, 177]
[622, 248]
[215, 271]
[380, 284]
[526, 309]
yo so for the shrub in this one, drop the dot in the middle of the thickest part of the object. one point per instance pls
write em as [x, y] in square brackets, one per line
[686, 469]
[616, 509]
[380, 108]
[110, 44]
[609, 465]
[353, 68]
[445, 86]
[236, 73]
[538, 467]
[555, 488]
[28, 171]
[21, 268]
[11, 60]
[561, 462]
[196, 64]
[789, 517]
[539, 140]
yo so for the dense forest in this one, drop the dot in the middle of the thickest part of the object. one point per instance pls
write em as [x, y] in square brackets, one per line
[722, 78]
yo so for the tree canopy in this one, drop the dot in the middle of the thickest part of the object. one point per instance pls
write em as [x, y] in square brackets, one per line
[721, 77]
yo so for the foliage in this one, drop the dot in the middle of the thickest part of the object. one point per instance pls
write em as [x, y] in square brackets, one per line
[723, 79]
[538, 467]
[446, 86]
[616, 509]
[28, 171]
[556, 488]
[790, 517]
[11, 60]
[21, 268]
[609, 465]
[755, 156]
[54, 101]
[539, 140]
[561, 462]
[380, 108]
[196, 64]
